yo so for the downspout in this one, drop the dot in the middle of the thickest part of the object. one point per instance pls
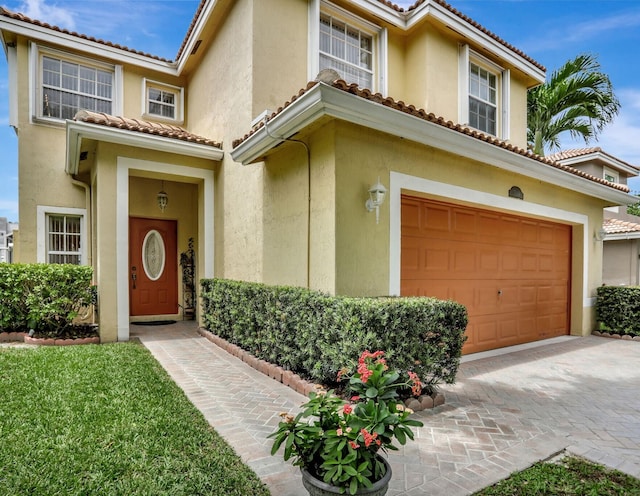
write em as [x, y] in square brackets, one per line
[87, 193]
[306, 147]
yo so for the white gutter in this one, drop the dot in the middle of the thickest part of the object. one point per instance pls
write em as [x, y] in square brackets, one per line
[622, 236]
[324, 100]
[77, 131]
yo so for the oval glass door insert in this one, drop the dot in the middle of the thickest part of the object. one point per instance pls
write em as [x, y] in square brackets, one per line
[153, 255]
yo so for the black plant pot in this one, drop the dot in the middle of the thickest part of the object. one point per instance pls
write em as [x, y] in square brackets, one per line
[317, 487]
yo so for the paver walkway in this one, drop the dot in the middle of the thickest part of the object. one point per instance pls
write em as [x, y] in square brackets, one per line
[504, 413]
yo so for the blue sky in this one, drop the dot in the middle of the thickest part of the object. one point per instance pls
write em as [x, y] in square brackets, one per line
[550, 31]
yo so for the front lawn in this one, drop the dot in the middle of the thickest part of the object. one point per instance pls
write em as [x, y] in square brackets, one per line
[570, 476]
[107, 420]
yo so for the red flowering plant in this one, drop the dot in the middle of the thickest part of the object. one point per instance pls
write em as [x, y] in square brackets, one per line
[337, 441]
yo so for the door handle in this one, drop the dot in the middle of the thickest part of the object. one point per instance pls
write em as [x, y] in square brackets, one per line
[134, 276]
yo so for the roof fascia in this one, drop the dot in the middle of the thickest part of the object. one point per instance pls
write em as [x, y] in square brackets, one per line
[387, 14]
[47, 35]
[323, 100]
[603, 157]
[622, 236]
[78, 131]
[195, 34]
[465, 29]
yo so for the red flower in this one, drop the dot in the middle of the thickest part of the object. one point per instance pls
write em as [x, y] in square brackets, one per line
[416, 389]
[369, 438]
[354, 445]
[355, 398]
[347, 409]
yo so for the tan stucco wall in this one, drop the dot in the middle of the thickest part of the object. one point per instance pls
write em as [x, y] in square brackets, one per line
[291, 243]
[621, 262]
[361, 253]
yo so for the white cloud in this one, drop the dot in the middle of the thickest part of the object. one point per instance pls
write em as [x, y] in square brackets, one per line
[57, 16]
[621, 138]
[602, 25]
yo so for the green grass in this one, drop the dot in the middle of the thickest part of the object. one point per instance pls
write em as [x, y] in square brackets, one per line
[107, 420]
[570, 476]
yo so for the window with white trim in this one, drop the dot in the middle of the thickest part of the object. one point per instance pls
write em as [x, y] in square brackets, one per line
[353, 47]
[61, 235]
[68, 85]
[611, 175]
[347, 50]
[484, 94]
[64, 238]
[162, 101]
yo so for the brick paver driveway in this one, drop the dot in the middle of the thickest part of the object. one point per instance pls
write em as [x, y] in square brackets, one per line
[505, 412]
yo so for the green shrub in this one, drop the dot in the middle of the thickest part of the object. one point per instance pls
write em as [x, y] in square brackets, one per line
[315, 335]
[43, 297]
[618, 309]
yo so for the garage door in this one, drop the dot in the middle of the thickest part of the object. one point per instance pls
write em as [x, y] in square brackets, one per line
[512, 273]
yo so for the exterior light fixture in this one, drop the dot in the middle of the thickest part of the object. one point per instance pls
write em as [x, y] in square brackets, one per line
[377, 192]
[162, 198]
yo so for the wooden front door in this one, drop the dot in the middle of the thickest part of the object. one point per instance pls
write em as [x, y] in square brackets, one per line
[153, 266]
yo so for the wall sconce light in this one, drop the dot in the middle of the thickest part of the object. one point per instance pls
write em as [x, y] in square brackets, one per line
[599, 234]
[162, 198]
[377, 192]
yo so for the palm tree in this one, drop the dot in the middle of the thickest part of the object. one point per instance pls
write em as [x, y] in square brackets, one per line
[578, 98]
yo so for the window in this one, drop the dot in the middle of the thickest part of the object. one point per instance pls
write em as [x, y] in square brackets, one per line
[68, 87]
[64, 83]
[63, 239]
[61, 235]
[482, 99]
[162, 101]
[353, 47]
[347, 50]
[484, 94]
[611, 175]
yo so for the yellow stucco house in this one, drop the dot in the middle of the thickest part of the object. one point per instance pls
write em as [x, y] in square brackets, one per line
[267, 133]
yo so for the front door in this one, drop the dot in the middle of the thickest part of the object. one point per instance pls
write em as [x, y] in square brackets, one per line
[153, 264]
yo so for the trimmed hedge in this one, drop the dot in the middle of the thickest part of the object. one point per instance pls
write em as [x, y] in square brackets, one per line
[618, 309]
[43, 297]
[316, 335]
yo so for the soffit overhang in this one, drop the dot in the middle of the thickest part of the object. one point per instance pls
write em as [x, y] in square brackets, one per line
[43, 33]
[322, 100]
[77, 132]
[604, 159]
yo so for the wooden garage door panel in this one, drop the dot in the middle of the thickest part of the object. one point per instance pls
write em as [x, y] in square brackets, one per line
[512, 273]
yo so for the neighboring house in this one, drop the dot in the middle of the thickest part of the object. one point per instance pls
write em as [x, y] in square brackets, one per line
[620, 232]
[272, 187]
[6, 240]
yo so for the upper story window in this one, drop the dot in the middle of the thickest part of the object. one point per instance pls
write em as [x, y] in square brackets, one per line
[611, 175]
[66, 84]
[350, 45]
[484, 94]
[162, 101]
[347, 50]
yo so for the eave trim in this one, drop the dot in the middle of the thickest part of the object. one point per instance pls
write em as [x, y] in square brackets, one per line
[324, 100]
[78, 131]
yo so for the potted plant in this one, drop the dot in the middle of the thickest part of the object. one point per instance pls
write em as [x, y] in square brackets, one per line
[336, 443]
